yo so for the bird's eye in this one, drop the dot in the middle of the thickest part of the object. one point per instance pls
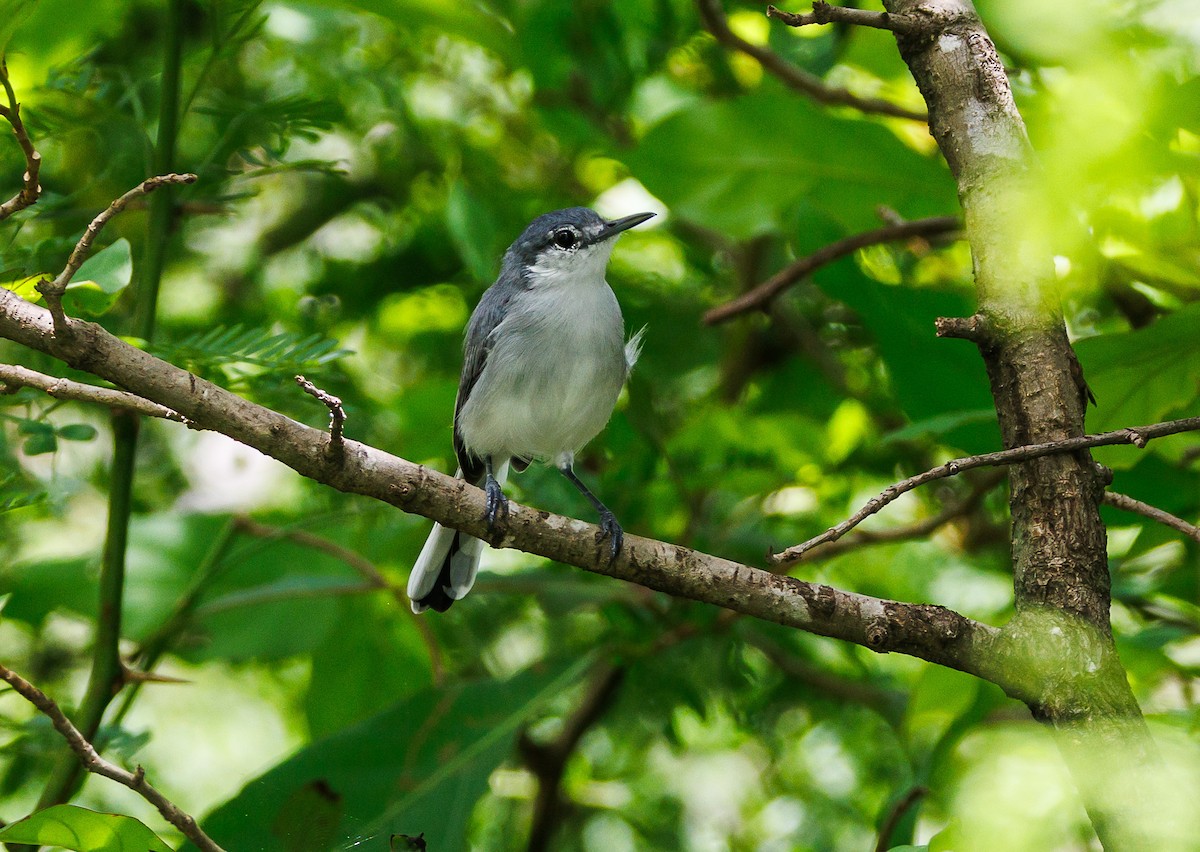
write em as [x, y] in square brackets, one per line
[564, 238]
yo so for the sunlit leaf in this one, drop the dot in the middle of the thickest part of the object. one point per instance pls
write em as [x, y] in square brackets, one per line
[415, 768]
[737, 166]
[71, 827]
[99, 282]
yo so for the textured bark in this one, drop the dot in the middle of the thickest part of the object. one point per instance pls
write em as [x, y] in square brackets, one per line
[930, 632]
[1061, 578]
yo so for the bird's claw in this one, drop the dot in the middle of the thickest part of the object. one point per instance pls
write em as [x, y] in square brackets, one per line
[610, 529]
[497, 503]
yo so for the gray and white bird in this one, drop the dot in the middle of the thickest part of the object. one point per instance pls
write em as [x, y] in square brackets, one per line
[544, 360]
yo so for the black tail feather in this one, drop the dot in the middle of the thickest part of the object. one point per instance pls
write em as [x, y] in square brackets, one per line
[437, 599]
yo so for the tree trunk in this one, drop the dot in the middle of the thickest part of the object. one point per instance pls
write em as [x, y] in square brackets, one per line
[1073, 680]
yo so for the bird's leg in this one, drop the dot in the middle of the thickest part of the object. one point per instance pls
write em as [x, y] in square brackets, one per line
[609, 527]
[497, 503]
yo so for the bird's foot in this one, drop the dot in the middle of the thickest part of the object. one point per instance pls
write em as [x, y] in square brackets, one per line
[610, 529]
[497, 503]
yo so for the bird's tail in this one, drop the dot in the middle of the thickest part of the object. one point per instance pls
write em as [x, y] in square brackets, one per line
[446, 568]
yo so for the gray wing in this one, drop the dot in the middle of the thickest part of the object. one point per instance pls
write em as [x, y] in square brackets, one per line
[488, 314]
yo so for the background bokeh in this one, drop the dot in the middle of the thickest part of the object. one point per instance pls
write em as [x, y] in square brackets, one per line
[362, 168]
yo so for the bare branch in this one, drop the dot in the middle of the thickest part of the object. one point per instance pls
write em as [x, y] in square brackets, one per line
[1129, 504]
[761, 296]
[13, 377]
[823, 13]
[930, 632]
[53, 290]
[337, 415]
[1136, 435]
[93, 762]
[794, 77]
[31, 190]
[919, 529]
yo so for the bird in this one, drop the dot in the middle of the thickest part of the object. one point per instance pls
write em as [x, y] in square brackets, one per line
[544, 360]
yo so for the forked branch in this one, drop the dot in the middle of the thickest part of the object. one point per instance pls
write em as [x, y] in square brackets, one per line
[1136, 435]
[30, 190]
[94, 763]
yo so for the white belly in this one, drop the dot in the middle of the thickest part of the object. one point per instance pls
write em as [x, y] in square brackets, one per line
[552, 377]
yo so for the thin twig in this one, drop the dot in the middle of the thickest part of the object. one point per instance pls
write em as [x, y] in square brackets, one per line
[896, 814]
[794, 77]
[761, 296]
[365, 568]
[1129, 504]
[93, 762]
[823, 13]
[918, 529]
[13, 377]
[337, 415]
[53, 290]
[1136, 435]
[30, 189]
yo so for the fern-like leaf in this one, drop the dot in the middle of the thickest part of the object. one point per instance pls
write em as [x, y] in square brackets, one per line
[236, 348]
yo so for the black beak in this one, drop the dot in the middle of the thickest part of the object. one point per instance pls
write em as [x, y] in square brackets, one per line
[611, 229]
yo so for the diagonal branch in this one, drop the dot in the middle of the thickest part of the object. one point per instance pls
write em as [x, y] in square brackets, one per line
[13, 377]
[1136, 435]
[30, 189]
[1129, 504]
[794, 77]
[760, 297]
[53, 290]
[823, 13]
[930, 632]
[93, 762]
[918, 529]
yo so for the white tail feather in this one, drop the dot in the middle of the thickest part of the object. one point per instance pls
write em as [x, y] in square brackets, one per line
[464, 562]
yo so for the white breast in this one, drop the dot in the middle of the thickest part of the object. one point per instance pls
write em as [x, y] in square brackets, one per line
[553, 374]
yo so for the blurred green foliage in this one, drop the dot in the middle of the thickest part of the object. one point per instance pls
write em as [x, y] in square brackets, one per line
[362, 168]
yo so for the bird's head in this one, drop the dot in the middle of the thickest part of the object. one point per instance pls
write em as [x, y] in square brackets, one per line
[570, 246]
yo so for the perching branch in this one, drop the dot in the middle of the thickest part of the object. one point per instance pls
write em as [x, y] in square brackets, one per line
[337, 414]
[13, 377]
[93, 762]
[760, 297]
[713, 17]
[930, 632]
[1136, 435]
[53, 290]
[823, 13]
[1129, 504]
[31, 189]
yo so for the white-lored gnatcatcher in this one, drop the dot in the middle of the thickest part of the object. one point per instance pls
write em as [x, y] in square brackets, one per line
[544, 360]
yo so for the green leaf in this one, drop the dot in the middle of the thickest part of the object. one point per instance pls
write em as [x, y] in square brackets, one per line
[26, 287]
[12, 14]
[738, 166]
[40, 440]
[77, 432]
[473, 229]
[99, 282]
[285, 352]
[79, 829]
[1142, 377]
[417, 767]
